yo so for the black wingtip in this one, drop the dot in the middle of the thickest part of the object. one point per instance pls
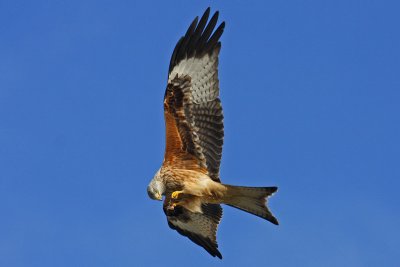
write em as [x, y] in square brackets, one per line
[213, 251]
[199, 39]
[208, 9]
[274, 189]
[219, 255]
[273, 220]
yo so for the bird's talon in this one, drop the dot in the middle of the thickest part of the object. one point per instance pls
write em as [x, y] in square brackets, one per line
[175, 194]
[173, 205]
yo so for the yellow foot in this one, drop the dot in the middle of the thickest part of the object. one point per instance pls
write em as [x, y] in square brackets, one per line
[176, 194]
[176, 204]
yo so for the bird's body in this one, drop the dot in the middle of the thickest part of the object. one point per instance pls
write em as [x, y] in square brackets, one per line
[189, 176]
[193, 186]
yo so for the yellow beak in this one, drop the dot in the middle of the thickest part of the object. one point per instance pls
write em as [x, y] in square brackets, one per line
[158, 196]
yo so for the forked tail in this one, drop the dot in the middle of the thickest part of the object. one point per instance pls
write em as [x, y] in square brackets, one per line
[251, 199]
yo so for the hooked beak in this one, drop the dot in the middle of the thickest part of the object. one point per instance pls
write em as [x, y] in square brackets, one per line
[158, 197]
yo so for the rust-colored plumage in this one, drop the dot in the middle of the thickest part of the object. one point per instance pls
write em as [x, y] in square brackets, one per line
[189, 176]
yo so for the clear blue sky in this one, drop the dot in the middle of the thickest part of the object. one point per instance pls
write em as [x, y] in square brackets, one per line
[311, 94]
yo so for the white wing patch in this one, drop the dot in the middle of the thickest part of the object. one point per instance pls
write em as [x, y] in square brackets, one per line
[204, 76]
[197, 225]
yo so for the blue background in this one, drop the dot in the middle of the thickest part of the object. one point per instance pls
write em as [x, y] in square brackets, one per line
[311, 95]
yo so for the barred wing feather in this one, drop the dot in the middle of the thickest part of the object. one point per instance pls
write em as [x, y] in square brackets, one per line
[192, 108]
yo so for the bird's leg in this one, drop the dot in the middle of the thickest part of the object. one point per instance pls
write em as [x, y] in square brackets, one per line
[175, 194]
[174, 204]
[172, 208]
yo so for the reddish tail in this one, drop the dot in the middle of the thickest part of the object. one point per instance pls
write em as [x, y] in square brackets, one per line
[251, 199]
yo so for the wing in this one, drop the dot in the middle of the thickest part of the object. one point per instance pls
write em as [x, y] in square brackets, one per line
[201, 228]
[192, 108]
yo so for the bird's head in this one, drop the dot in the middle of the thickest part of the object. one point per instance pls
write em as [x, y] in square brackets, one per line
[156, 188]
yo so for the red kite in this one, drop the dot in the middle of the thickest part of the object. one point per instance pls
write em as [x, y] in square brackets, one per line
[189, 176]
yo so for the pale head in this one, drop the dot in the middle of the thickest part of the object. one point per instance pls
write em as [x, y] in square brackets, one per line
[156, 188]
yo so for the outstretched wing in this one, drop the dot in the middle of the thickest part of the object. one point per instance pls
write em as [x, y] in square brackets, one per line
[201, 228]
[192, 109]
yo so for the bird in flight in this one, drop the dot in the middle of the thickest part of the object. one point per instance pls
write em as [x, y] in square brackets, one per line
[189, 176]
